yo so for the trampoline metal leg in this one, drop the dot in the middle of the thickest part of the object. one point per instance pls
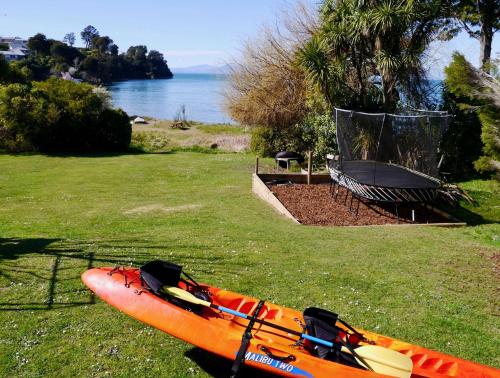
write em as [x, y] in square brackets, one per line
[397, 213]
[357, 208]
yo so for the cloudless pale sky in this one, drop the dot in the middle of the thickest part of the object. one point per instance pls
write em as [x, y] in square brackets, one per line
[188, 32]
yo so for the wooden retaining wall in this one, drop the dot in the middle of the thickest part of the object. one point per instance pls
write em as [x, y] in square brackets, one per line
[260, 188]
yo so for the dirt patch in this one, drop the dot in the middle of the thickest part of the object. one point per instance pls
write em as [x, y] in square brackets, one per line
[314, 204]
[160, 208]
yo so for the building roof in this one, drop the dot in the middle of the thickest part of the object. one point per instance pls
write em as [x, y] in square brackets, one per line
[17, 52]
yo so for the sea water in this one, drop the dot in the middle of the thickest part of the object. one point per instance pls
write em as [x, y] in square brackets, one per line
[200, 94]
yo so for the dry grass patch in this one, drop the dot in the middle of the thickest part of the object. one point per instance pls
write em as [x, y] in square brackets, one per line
[157, 207]
[158, 135]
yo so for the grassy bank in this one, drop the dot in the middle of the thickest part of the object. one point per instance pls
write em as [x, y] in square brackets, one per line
[61, 215]
[158, 135]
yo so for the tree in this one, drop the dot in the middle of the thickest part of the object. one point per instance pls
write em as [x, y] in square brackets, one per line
[113, 49]
[366, 52]
[4, 47]
[481, 20]
[266, 86]
[69, 39]
[102, 44]
[158, 67]
[90, 64]
[137, 54]
[88, 34]
[39, 44]
[64, 53]
[478, 92]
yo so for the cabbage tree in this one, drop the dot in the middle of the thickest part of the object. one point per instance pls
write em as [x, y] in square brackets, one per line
[366, 53]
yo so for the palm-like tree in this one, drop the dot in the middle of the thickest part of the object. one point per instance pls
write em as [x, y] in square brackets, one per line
[367, 51]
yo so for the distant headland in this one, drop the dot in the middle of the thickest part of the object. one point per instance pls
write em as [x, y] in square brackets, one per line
[98, 62]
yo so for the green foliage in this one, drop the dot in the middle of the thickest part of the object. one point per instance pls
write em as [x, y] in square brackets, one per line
[217, 129]
[490, 135]
[461, 144]
[39, 44]
[69, 39]
[99, 63]
[12, 73]
[63, 53]
[364, 55]
[315, 133]
[464, 82]
[267, 141]
[149, 141]
[60, 116]
[319, 135]
[4, 47]
[88, 34]
[37, 68]
[102, 44]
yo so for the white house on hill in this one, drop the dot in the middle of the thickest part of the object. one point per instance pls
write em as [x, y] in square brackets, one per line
[18, 48]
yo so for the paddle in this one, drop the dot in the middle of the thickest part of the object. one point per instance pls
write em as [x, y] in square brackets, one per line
[378, 359]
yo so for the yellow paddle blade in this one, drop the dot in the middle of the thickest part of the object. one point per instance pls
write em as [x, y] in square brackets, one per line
[177, 292]
[384, 361]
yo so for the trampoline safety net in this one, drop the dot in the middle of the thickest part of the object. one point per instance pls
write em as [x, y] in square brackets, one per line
[388, 153]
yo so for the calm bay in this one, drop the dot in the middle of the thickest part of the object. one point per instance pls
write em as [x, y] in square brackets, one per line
[201, 94]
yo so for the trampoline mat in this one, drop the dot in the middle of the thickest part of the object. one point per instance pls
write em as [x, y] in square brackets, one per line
[385, 175]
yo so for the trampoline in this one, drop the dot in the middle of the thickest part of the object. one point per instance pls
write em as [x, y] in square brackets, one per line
[388, 158]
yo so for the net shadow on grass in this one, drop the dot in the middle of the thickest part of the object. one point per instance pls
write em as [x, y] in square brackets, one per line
[220, 367]
[11, 249]
[57, 265]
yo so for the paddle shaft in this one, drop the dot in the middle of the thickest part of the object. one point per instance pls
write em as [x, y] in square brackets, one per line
[290, 331]
[273, 325]
[277, 326]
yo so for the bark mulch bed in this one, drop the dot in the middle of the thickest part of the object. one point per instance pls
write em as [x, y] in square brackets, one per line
[314, 204]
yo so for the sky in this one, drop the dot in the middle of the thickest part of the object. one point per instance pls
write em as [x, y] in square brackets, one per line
[187, 32]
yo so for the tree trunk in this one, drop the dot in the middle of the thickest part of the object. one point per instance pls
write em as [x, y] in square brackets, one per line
[486, 37]
[485, 55]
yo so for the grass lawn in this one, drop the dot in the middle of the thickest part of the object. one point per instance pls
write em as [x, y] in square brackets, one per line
[61, 215]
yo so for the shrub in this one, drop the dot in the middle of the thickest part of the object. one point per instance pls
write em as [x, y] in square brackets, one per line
[10, 73]
[267, 141]
[60, 116]
[478, 92]
[315, 133]
[152, 141]
[319, 135]
[266, 87]
[461, 144]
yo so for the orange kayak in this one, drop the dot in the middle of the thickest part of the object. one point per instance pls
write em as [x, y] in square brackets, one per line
[269, 349]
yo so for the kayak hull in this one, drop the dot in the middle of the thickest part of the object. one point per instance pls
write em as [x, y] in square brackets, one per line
[269, 348]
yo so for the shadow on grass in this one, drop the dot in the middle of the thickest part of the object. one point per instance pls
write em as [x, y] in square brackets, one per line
[13, 248]
[466, 215]
[130, 151]
[220, 367]
[67, 260]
